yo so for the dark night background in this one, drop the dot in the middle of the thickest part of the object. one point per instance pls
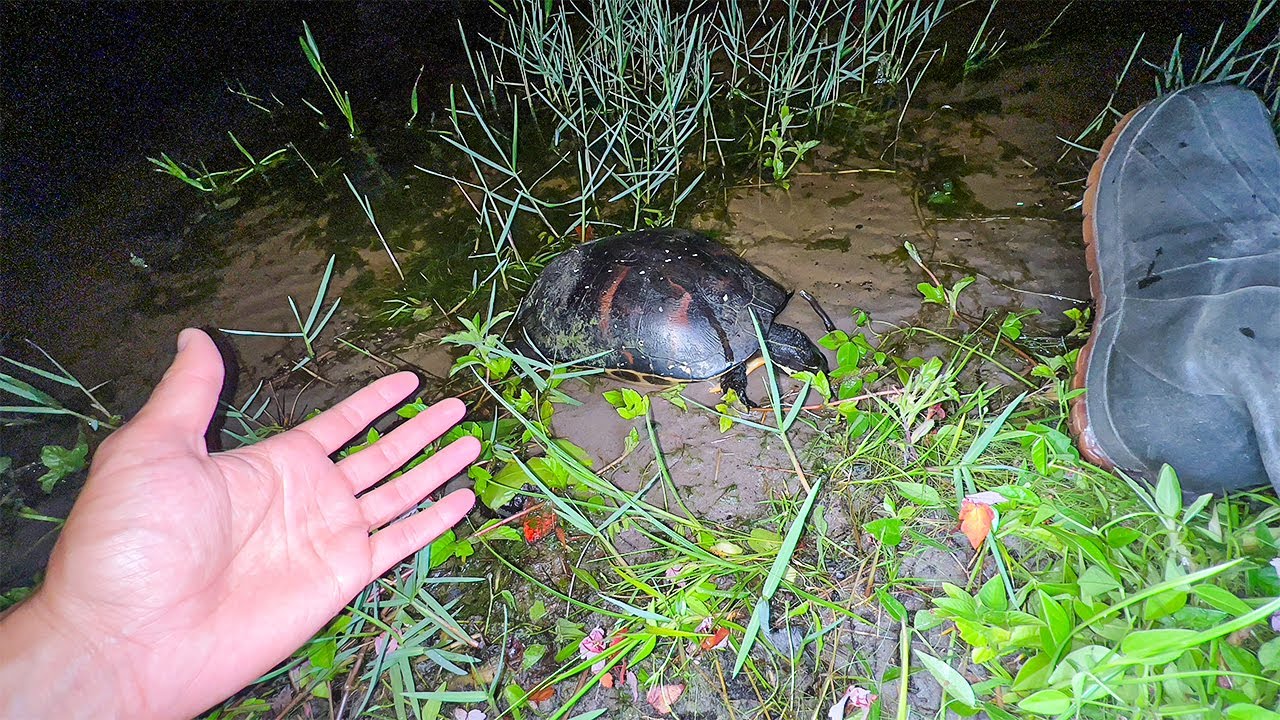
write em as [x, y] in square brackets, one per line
[88, 90]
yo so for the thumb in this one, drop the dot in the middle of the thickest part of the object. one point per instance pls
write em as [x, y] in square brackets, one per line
[187, 395]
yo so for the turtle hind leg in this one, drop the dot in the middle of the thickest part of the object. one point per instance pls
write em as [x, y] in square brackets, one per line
[794, 350]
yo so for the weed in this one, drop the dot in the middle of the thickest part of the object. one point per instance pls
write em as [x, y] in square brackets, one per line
[309, 329]
[339, 97]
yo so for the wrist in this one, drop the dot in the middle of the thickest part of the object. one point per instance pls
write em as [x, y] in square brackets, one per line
[54, 666]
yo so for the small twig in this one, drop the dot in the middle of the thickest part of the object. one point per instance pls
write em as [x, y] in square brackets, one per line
[350, 682]
[849, 171]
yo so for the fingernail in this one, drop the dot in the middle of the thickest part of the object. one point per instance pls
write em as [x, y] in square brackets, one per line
[184, 339]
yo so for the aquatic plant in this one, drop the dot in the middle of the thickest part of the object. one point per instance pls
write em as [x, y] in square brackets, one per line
[309, 329]
[622, 94]
[339, 97]
[367, 207]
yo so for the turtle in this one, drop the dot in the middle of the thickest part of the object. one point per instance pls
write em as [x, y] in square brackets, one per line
[662, 306]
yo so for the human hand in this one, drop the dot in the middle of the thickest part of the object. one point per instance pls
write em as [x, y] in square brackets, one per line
[187, 575]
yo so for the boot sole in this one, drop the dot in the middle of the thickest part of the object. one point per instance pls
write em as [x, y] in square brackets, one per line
[1086, 440]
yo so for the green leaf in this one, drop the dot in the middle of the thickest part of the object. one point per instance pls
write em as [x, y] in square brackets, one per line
[441, 549]
[919, 493]
[1249, 711]
[1269, 654]
[891, 605]
[1168, 493]
[62, 462]
[532, 654]
[1034, 672]
[932, 293]
[887, 530]
[1096, 583]
[537, 611]
[765, 542]
[834, 339]
[629, 403]
[993, 596]
[952, 682]
[1046, 702]
[502, 488]
[1158, 646]
[1163, 604]
[5, 464]
[675, 396]
[1057, 621]
[1220, 599]
[1011, 327]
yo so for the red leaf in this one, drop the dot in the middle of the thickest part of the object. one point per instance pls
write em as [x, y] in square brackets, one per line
[539, 525]
[542, 695]
[975, 521]
[663, 697]
[715, 640]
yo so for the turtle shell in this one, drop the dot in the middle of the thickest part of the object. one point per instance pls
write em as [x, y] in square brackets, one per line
[665, 303]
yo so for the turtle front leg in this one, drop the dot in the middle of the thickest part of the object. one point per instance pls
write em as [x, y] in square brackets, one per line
[736, 380]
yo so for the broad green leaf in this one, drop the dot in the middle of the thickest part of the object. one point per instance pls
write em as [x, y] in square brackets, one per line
[887, 530]
[1046, 702]
[992, 595]
[1248, 711]
[919, 493]
[952, 682]
[62, 462]
[1269, 654]
[1168, 493]
[1156, 645]
[765, 542]
[1224, 600]
[532, 654]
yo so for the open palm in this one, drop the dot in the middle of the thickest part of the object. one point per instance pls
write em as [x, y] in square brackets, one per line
[205, 570]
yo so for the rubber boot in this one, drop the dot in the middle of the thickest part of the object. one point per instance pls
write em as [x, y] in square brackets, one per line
[1182, 235]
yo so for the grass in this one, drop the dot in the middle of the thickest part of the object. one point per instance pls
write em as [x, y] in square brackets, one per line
[1250, 58]
[1088, 595]
[637, 104]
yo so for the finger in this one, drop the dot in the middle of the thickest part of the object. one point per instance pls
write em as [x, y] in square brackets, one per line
[184, 400]
[394, 449]
[384, 504]
[335, 426]
[394, 542]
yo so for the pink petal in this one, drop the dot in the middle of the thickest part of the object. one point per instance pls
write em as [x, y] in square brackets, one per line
[987, 498]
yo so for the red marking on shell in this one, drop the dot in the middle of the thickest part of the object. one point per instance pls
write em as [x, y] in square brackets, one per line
[681, 316]
[606, 302]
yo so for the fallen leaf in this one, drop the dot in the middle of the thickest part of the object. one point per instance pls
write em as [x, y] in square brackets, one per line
[664, 696]
[539, 525]
[543, 695]
[976, 516]
[987, 498]
[716, 639]
[975, 521]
